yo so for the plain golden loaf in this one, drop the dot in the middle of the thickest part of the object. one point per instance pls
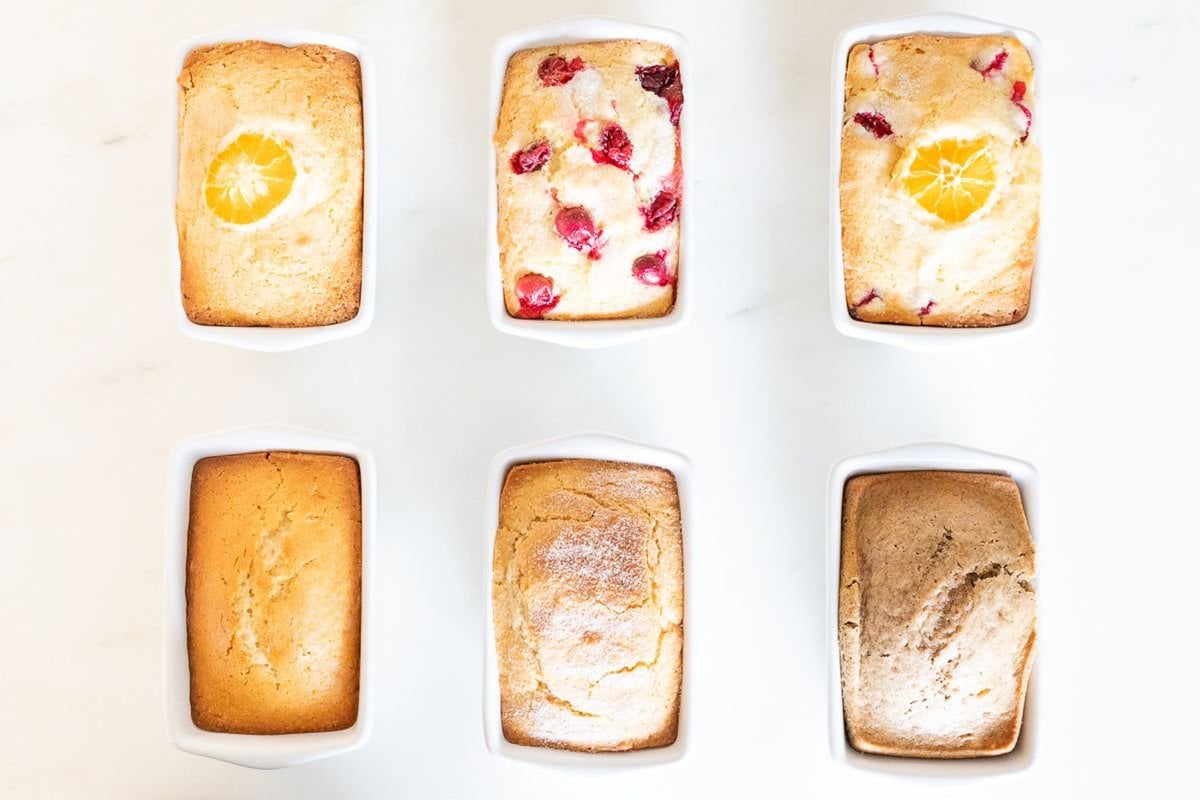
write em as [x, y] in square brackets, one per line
[274, 575]
[588, 605]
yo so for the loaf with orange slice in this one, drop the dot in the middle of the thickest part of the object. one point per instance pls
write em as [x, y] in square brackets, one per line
[940, 181]
[270, 203]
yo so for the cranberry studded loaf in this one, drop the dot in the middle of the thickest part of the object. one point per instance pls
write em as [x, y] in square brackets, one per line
[274, 572]
[587, 590]
[588, 171]
[937, 616]
[269, 209]
[940, 181]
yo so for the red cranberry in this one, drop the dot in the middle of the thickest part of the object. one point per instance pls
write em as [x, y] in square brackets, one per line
[556, 70]
[657, 77]
[866, 298]
[575, 225]
[1018, 95]
[663, 80]
[651, 269]
[925, 309]
[996, 65]
[874, 122]
[674, 104]
[1028, 120]
[871, 58]
[662, 211]
[615, 147]
[531, 159]
[535, 294]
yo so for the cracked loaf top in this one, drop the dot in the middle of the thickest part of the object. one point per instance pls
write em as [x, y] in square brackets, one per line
[940, 181]
[270, 200]
[587, 588]
[274, 566]
[937, 613]
[588, 172]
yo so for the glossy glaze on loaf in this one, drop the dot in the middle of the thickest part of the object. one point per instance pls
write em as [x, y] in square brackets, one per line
[588, 605]
[937, 616]
[274, 574]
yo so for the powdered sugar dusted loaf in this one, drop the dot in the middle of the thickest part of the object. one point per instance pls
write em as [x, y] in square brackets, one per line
[937, 617]
[588, 605]
[588, 174]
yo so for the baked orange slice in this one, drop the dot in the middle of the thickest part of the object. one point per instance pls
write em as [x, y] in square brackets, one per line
[952, 178]
[249, 178]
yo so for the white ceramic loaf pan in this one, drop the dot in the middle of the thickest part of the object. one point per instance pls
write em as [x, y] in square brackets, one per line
[283, 339]
[260, 752]
[591, 333]
[927, 456]
[916, 337]
[607, 448]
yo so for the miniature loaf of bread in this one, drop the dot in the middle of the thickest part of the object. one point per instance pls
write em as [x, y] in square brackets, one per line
[589, 179]
[940, 181]
[270, 203]
[588, 605]
[937, 617]
[274, 570]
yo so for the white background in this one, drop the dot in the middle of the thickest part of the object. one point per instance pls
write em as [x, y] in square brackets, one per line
[96, 384]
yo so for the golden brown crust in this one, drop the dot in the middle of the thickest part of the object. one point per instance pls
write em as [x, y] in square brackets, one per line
[606, 91]
[897, 256]
[301, 265]
[937, 613]
[588, 605]
[274, 572]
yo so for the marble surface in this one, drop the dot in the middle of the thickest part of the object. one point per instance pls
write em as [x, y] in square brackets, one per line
[96, 384]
